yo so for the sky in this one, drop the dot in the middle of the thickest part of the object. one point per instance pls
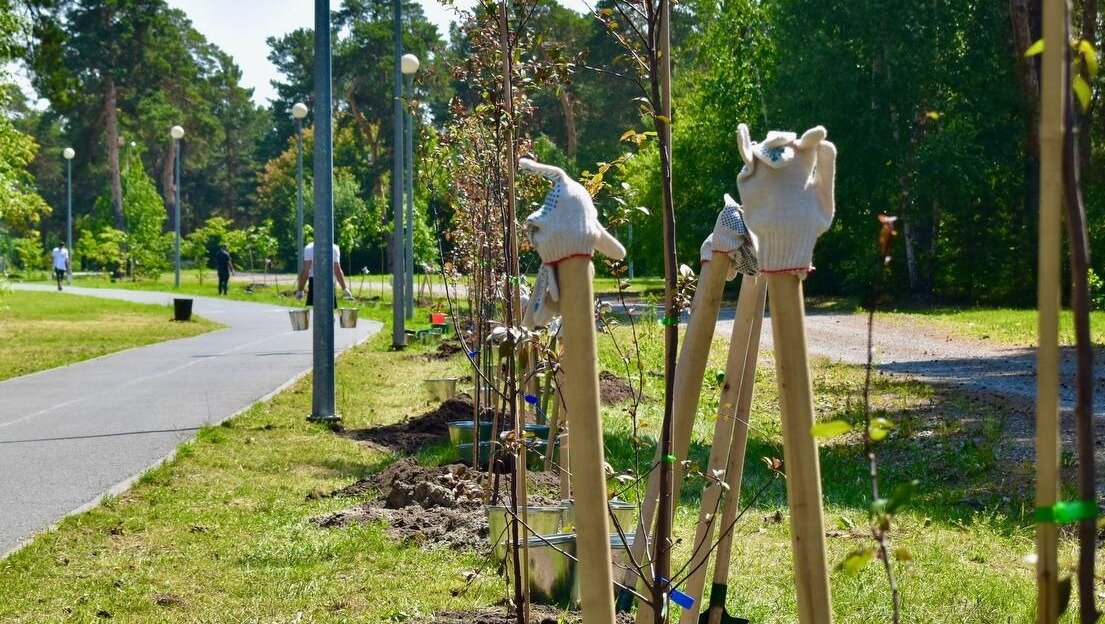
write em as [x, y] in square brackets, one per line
[240, 27]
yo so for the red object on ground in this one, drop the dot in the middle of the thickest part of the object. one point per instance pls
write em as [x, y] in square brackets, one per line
[437, 318]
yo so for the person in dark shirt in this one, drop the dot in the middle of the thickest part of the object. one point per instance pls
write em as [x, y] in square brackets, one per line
[224, 267]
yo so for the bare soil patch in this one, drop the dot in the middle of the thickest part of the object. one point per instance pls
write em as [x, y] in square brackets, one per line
[614, 389]
[413, 434]
[432, 506]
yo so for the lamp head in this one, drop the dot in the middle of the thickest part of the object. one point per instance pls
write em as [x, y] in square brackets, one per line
[299, 110]
[409, 64]
[177, 132]
[68, 153]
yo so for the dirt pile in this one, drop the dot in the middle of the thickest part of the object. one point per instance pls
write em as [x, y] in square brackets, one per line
[444, 351]
[429, 506]
[614, 389]
[539, 614]
[415, 433]
[433, 506]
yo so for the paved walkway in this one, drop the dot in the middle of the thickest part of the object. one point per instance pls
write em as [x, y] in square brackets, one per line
[72, 434]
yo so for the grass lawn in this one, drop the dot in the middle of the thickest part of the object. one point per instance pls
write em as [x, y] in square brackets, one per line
[1005, 325]
[221, 534]
[41, 330]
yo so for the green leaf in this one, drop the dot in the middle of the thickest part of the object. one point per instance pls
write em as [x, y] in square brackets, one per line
[1035, 48]
[880, 428]
[900, 495]
[1089, 56]
[856, 560]
[1082, 91]
[830, 429]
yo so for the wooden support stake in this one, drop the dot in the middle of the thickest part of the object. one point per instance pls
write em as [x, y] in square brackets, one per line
[689, 371]
[581, 400]
[807, 530]
[740, 373]
[1053, 83]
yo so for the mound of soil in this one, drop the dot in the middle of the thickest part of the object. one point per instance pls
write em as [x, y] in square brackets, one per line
[432, 506]
[614, 389]
[539, 614]
[415, 433]
[444, 351]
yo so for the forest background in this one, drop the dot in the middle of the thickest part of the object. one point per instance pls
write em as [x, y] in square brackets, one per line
[931, 104]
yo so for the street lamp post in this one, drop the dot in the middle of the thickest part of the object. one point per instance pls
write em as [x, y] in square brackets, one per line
[299, 111]
[177, 133]
[409, 64]
[398, 285]
[68, 153]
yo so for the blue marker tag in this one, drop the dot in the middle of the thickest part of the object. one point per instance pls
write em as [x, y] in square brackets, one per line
[678, 597]
[473, 354]
[532, 400]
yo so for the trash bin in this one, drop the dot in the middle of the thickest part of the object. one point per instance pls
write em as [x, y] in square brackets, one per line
[182, 309]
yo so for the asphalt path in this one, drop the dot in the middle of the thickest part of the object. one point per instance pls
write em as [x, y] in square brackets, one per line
[71, 435]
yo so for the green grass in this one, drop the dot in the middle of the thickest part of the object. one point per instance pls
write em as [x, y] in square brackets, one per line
[221, 534]
[1004, 325]
[42, 330]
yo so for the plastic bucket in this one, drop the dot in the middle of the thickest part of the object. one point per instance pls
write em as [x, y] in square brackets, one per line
[464, 453]
[347, 318]
[441, 389]
[301, 319]
[460, 432]
[544, 520]
[182, 309]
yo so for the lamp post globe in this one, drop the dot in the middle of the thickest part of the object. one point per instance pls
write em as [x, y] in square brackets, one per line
[409, 64]
[68, 153]
[176, 132]
[299, 110]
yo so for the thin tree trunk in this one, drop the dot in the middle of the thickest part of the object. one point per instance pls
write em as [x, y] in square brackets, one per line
[167, 181]
[569, 121]
[1089, 33]
[1025, 25]
[111, 121]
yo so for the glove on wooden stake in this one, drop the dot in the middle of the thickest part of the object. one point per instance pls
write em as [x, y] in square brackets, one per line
[732, 237]
[565, 232]
[565, 226]
[787, 189]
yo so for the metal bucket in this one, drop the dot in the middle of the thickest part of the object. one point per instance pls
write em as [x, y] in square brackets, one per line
[441, 389]
[301, 318]
[464, 453]
[347, 317]
[544, 520]
[552, 571]
[619, 557]
[625, 513]
[460, 431]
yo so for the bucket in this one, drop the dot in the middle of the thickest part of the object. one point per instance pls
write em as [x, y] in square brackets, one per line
[544, 520]
[464, 453]
[347, 317]
[460, 432]
[626, 514]
[441, 389]
[301, 318]
[619, 557]
[182, 309]
[552, 571]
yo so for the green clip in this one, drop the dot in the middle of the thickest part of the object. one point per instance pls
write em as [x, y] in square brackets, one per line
[1066, 512]
[669, 320]
[669, 459]
[515, 279]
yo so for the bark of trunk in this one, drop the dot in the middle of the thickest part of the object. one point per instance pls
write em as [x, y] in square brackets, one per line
[111, 121]
[569, 122]
[1025, 26]
[167, 181]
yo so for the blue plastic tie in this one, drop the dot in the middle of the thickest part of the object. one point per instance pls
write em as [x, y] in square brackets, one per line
[532, 400]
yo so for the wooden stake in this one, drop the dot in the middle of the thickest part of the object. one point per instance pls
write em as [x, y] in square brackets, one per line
[689, 371]
[734, 470]
[740, 372]
[807, 530]
[581, 401]
[1053, 83]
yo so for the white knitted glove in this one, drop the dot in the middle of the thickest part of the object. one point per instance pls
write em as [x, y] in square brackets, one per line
[566, 225]
[787, 189]
[543, 304]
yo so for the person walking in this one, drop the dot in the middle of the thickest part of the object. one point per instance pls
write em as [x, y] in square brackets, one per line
[225, 267]
[305, 275]
[60, 255]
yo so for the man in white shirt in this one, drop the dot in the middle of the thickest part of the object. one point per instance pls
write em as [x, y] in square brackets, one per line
[61, 262]
[305, 275]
